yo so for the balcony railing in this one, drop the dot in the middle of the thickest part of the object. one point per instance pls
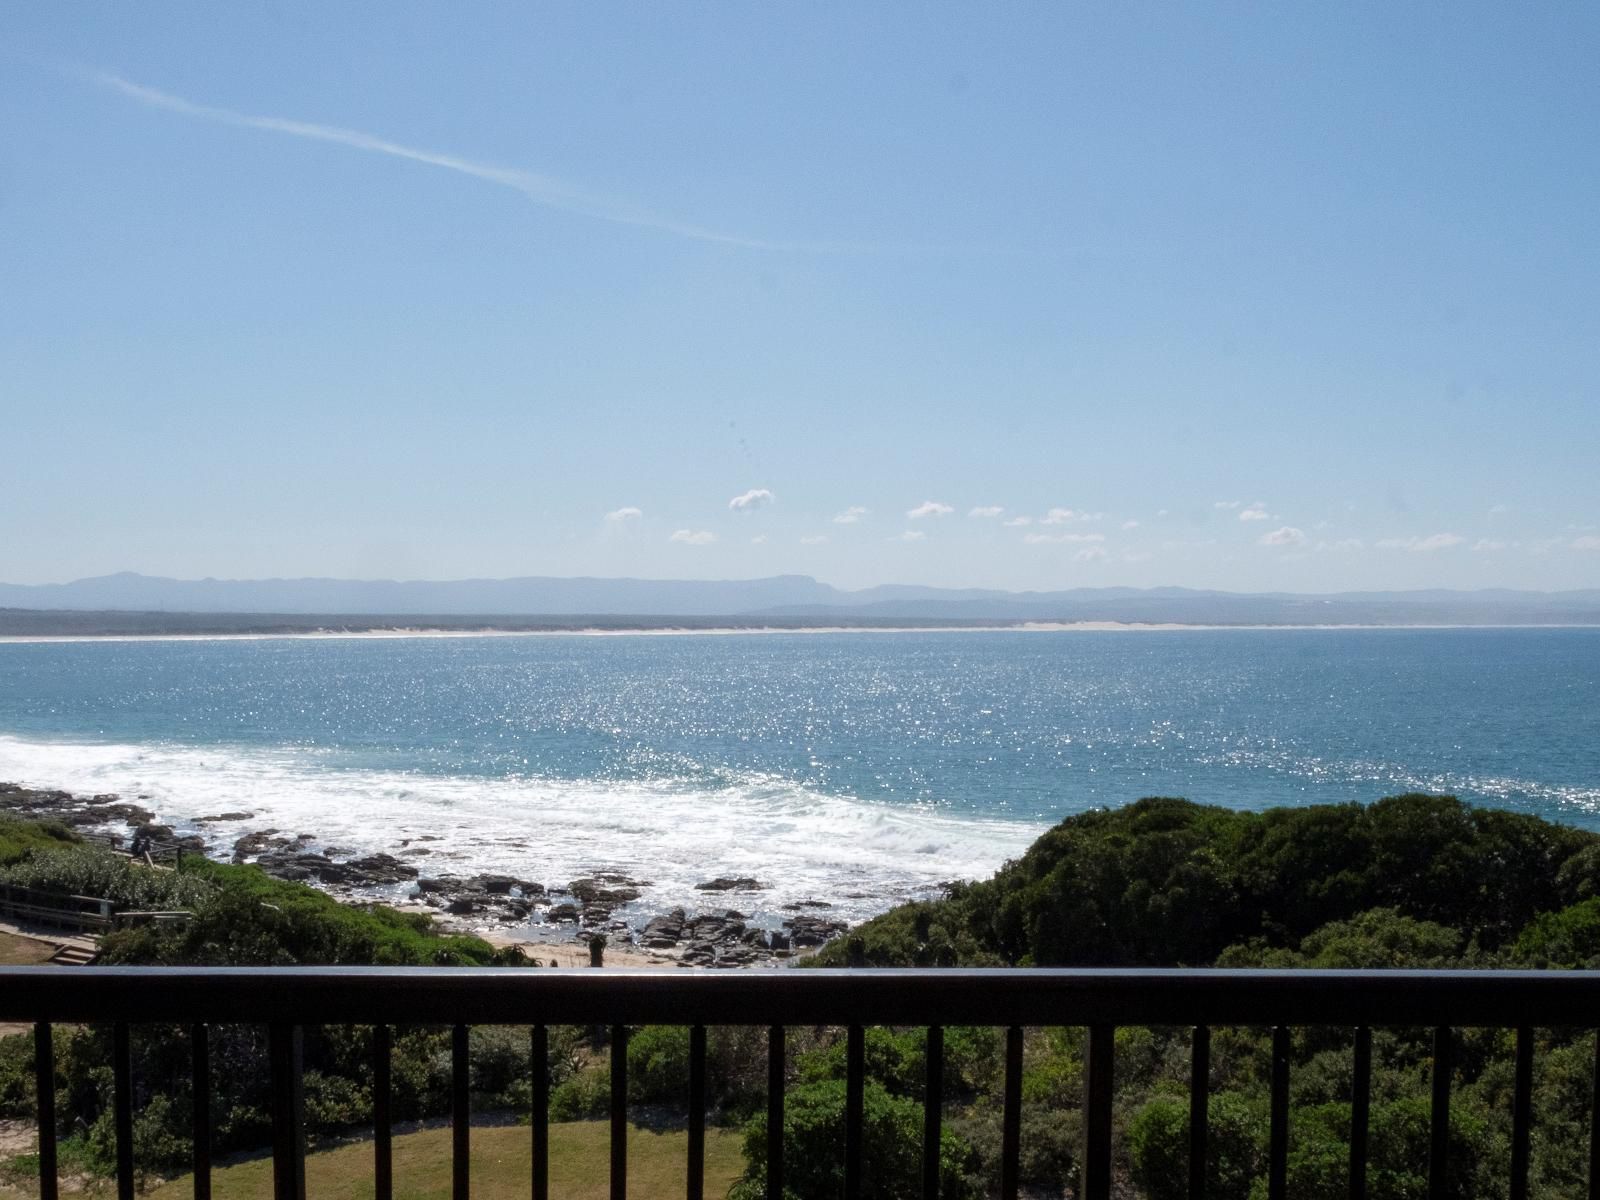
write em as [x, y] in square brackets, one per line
[287, 999]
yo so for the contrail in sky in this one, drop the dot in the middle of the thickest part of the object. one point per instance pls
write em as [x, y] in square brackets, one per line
[541, 189]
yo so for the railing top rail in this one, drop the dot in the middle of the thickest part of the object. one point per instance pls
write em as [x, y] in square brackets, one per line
[413, 995]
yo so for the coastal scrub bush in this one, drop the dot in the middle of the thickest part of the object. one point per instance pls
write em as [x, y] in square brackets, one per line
[1158, 1146]
[20, 838]
[658, 1064]
[584, 1096]
[1569, 938]
[16, 1077]
[244, 917]
[814, 1137]
[90, 871]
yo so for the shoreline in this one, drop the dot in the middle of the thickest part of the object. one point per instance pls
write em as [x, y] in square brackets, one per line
[592, 631]
[551, 923]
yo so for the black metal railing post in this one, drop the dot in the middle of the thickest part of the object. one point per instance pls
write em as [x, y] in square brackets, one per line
[1097, 1095]
[460, 1114]
[776, 1064]
[382, 1113]
[286, 1050]
[1199, 1109]
[1439, 1117]
[122, 1107]
[619, 1112]
[44, 1103]
[855, 1084]
[933, 1113]
[1011, 1117]
[696, 1188]
[1360, 1112]
[200, 1123]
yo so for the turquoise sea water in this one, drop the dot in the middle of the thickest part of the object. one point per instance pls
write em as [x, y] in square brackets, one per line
[862, 767]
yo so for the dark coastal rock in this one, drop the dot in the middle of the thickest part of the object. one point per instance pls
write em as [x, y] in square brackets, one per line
[799, 904]
[463, 906]
[725, 883]
[605, 889]
[813, 931]
[227, 816]
[381, 868]
[563, 912]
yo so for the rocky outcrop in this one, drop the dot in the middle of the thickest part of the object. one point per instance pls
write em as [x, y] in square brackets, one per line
[725, 883]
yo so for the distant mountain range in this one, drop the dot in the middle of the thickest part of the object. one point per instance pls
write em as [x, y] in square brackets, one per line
[781, 598]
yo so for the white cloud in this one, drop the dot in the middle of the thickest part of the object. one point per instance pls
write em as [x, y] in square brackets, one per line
[1496, 509]
[1091, 554]
[1058, 539]
[814, 539]
[1587, 542]
[910, 535]
[986, 510]
[1136, 556]
[693, 537]
[1256, 512]
[1017, 522]
[1063, 516]
[627, 513]
[850, 516]
[1228, 504]
[1422, 545]
[753, 499]
[1347, 544]
[1287, 536]
[929, 508]
[760, 539]
[1161, 512]
[539, 188]
[1130, 524]
[1488, 545]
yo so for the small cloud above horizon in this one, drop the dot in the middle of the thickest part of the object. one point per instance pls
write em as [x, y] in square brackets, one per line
[1286, 536]
[693, 537]
[929, 508]
[1062, 516]
[850, 516]
[1057, 539]
[910, 535]
[626, 513]
[1256, 512]
[814, 539]
[1422, 545]
[753, 499]
[986, 510]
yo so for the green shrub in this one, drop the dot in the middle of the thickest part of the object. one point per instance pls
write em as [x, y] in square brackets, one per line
[584, 1096]
[658, 1065]
[813, 1147]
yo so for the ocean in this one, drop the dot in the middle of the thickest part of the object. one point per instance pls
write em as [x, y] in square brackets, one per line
[855, 768]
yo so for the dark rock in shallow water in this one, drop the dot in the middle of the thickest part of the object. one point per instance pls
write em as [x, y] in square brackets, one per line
[605, 889]
[813, 931]
[563, 912]
[727, 883]
[382, 868]
[227, 816]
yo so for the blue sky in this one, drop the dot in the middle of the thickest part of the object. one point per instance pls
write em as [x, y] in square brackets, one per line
[1033, 296]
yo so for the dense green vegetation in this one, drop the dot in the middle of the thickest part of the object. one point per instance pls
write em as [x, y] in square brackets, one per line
[1412, 881]
[1170, 883]
[20, 839]
[240, 917]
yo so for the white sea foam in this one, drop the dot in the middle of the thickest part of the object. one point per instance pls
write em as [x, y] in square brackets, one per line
[860, 856]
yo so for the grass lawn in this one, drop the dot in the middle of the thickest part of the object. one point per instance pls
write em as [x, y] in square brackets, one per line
[22, 952]
[501, 1159]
